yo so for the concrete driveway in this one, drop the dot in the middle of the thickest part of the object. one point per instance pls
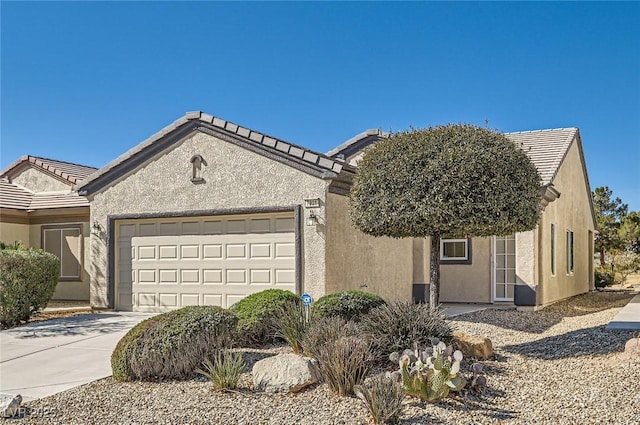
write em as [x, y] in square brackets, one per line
[44, 358]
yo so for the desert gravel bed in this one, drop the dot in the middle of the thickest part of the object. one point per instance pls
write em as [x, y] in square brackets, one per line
[556, 366]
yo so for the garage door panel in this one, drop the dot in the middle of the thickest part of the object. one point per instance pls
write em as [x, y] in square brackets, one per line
[169, 300]
[190, 252]
[146, 276]
[168, 252]
[168, 276]
[189, 276]
[212, 276]
[189, 299]
[260, 276]
[235, 276]
[285, 250]
[212, 251]
[212, 299]
[147, 252]
[236, 250]
[165, 264]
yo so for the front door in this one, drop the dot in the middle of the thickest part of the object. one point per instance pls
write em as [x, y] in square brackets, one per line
[504, 267]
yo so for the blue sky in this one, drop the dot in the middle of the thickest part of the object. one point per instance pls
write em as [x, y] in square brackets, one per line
[86, 81]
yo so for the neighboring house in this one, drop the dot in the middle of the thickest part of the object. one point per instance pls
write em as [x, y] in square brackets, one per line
[530, 269]
[207, 212]
[39, 208]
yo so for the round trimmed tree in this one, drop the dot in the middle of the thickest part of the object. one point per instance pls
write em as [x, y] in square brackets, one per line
[457, 180]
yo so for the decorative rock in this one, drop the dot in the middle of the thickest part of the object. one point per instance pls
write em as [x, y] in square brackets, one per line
[285, 373]
[10, 406]
[632, 348]
[475, 346]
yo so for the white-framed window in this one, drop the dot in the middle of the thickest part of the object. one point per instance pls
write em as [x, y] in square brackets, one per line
[570, 259]
[65, 242]
[553, 249]
[454, 250]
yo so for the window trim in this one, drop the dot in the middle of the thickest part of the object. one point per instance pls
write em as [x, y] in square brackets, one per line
[61, 227]
[456, 260]
[570, 254]
[553, 249]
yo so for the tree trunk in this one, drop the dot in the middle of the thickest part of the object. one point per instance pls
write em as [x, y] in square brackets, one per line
[602, 258]
[434, 286]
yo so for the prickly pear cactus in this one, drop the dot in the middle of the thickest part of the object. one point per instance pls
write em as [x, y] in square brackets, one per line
[431, 374]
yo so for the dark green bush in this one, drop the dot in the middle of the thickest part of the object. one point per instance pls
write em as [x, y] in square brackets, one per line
[603, 277]
[401, 324]
[28, 279]
[350, 305]
[172, 345]
[325, 330]
[256, 313]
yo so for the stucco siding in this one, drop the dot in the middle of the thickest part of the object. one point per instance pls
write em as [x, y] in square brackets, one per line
[468, 283]
[12, 232]
[355, 260]
[37, 181]
[525, 258]
[570, 211]
[235, 178]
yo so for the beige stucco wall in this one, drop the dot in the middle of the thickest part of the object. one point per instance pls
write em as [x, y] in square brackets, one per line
[468, 283]
[11, 232]
[570, 211]
[235, 178]
[37, 181]
[68, 290]
[358, 261]
[525, 258]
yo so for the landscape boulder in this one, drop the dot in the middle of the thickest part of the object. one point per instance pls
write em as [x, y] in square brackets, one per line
[632, 349]
[10, 406]
[285, 373]
[479, 347]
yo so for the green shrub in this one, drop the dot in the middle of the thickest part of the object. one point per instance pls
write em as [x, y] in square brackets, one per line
[291, 324]
[325, 330]
[225, 370]
[603, 277]
[350, 305]
[28, 279]
[395, 326]
[256, 313]
[15, 245]
[344, 363]
[172, 345]
[383, 397]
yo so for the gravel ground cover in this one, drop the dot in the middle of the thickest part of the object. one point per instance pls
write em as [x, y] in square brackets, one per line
[556, 366]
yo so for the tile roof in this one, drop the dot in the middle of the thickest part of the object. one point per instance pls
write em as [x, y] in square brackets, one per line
[292, 152]
[546, 148]
[12, 196]
[355, 139]
[15, 197]
[73, 173]
[42, 201]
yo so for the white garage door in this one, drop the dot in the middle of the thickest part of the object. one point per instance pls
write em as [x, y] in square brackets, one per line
[169, 263]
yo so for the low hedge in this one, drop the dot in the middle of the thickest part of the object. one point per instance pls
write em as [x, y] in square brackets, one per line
[172, 345]
[28, 279]
[257, 312]
[348, 305]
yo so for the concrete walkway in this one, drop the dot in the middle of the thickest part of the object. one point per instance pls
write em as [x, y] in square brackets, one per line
[628, 318]
[44, 358]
